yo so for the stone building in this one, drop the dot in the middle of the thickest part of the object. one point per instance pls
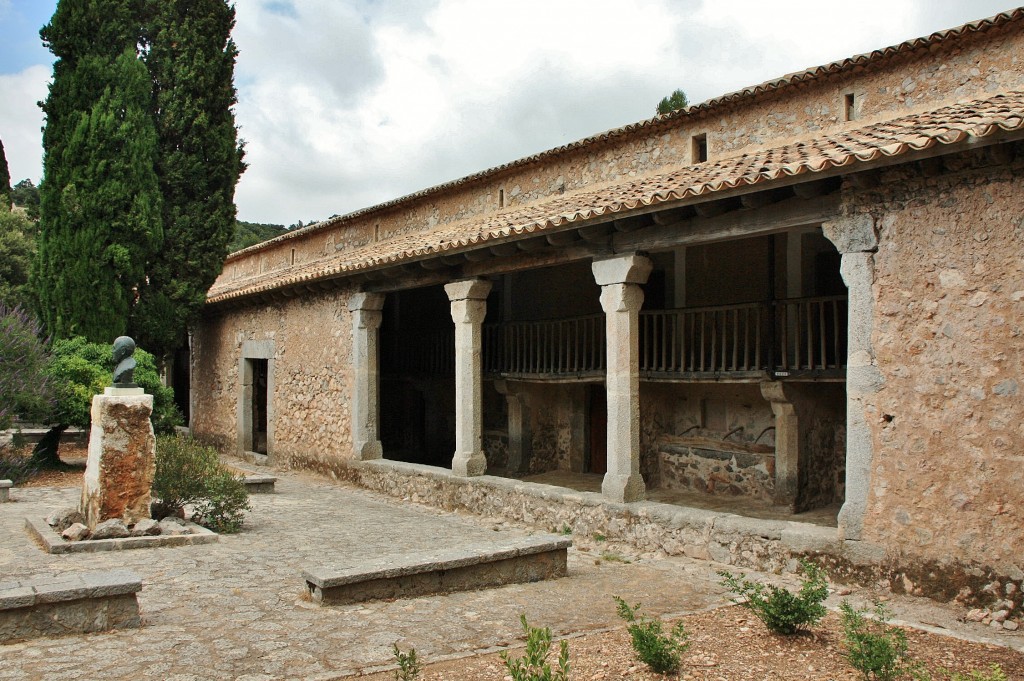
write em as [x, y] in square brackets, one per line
[806, 297]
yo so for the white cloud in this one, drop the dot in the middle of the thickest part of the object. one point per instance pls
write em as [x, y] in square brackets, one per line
[21, 121]
[348, 104]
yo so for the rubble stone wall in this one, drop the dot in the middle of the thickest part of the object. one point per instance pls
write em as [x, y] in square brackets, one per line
[948, 327]
[310, 405]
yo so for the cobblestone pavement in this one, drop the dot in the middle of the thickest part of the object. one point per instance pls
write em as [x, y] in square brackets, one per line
[235, 609]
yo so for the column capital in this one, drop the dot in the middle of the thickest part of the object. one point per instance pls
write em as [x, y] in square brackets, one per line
[621, 298]
[623, 269]
[468, 289]
[366, 301]
[852, 233]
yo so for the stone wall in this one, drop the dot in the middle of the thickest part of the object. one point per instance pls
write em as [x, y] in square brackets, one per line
[310, 404]
[684, 443]
[948, 314]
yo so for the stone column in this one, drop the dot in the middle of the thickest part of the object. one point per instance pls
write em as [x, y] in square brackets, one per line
[621, 297]
[520, 435]
[793, 409]
[366, 317]
[469, 305]
[856, 239]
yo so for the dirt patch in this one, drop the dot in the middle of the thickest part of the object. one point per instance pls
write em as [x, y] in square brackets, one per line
[74, 457]
[728, 644]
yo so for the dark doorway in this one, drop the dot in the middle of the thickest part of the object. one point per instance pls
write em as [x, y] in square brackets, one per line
[260, 372]
[180, 381]
[417, 364]
[597, 460]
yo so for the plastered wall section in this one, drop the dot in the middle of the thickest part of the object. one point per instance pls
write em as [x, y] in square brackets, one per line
[977, 67]
[310, 403]
[947, 424]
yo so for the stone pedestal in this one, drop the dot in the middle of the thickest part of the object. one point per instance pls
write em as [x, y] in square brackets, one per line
[122, 457]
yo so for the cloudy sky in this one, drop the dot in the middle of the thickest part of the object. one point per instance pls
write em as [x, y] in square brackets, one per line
[347, 103]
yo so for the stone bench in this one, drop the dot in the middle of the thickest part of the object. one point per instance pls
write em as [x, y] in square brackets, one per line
[5, 490]
[256, 483]
[513, 561]
[69, 604]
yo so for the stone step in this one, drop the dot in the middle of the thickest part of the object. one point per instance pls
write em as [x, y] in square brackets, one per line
[68, 604]
[512, 561]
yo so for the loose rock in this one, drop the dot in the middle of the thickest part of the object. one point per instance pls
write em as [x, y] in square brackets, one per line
[65, 518]
[145, 527]
[76, 532]
[110, 529]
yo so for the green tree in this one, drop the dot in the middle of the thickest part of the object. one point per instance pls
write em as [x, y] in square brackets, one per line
[676, 100]
[100, 201]
[251, 233]
[5, 180]
[26, 195]
[191, 61]
[18, 246]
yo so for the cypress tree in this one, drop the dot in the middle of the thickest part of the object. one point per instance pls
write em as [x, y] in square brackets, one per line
[191, 61]
[100, 201]
[5, 180]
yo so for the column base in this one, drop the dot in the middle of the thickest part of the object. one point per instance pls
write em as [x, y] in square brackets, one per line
[624, 488]
[368, 450]
[469, 464]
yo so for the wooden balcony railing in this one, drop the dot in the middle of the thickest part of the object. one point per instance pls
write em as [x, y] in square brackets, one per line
[557, 347]
[803, 336]
[723, 339]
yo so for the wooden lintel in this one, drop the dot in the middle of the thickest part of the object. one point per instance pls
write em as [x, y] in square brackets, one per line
[673, 216]
[532, 244]
[633, 223]
[479, 255]
[757, 200]
[734, 225]
[809, 190]
[504, 250]
[710, 209]
[432, 264]
[526, 261]
[563, 238]
[453, 260]
[597, 234]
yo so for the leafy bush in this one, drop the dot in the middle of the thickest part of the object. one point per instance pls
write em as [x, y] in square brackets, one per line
[408, 665]
[533, 666]
[661, 652]
[24, 386]
[81, 369]
[223, 507]
[190, 473]
[875, 649]
[782, 611]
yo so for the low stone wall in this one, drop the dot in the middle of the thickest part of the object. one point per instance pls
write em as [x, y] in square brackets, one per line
[770, 545]
[69, 604]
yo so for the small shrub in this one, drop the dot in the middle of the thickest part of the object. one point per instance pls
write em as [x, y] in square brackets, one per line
[875, 649]
[190, 473]
[533, 665]
[782, 611]
[15, 466]
[223, 507]
[408, 665]
[659, 651]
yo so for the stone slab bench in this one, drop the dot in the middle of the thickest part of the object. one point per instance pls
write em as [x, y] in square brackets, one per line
[54, 543]
[5, 490]
[513, 561]
[256, 483]
[69, 604]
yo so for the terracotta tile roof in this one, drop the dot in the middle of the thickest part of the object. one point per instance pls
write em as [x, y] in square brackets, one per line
[861, 61]
[945, 126]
